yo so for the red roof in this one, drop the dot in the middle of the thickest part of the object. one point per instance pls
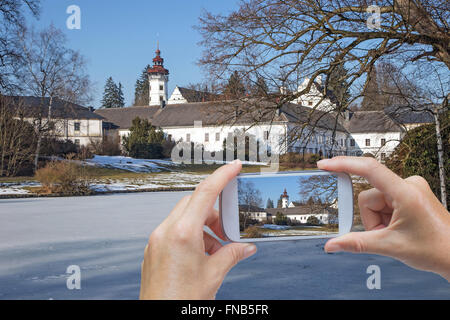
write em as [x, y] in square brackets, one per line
[158, 64]
[158, 69]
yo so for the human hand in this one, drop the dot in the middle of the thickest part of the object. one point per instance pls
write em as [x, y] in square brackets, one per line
[403, 218]
[175, 263]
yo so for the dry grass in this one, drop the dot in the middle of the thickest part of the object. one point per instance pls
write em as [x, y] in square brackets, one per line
[65, 178]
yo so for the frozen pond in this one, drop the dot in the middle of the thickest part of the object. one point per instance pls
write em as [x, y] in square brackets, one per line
[106, 236]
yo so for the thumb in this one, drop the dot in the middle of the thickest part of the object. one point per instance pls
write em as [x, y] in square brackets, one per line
[228, 256]
[359, 242]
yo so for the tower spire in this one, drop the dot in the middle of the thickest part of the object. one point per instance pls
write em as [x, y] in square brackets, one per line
[158, 78]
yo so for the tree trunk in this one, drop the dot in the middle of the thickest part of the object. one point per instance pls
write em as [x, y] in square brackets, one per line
[440, 154]
[38, 150]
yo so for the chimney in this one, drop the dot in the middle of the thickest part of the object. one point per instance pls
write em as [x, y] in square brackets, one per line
[91, 109]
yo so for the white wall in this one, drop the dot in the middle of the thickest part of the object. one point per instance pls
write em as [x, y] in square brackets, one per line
[318, 139]
[313, 99]
[90, 129]
[176, 97]
[157, 80]
[375, 148]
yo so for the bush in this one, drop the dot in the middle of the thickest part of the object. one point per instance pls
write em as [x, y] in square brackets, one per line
[312, 220]
[65, 178]
[145, 141]
[299, 160]
[56, 147]
[417, 155]
[52, 147]
[280, 219]
[253, 232]
[145, 151]
[108, 146]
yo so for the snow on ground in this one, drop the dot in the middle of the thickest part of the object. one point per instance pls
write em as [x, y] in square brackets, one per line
[144, 165]
[16, 188]
[106, 236]
[160, 180]
[130, 164]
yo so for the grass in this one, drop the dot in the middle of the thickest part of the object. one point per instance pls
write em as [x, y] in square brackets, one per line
[163, 179]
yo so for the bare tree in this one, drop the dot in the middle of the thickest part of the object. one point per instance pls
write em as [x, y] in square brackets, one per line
[11, 20]
[50, 70]
[17, 138]
[249, 197]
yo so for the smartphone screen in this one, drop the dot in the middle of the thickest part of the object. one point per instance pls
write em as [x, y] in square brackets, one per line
[288, 205]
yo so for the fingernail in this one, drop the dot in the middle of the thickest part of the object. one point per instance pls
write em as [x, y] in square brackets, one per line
[333, 247]
[236, 162]
[249, 250]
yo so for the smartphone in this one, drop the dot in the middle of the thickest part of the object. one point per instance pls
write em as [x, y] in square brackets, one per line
[287, 206]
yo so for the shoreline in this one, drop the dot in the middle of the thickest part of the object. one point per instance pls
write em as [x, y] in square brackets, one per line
[96, 193]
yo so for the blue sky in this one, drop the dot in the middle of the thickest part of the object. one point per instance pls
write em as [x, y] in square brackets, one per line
[273, 187]
[118, 38]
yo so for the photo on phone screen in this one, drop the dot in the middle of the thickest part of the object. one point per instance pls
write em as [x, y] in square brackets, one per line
[285, 206]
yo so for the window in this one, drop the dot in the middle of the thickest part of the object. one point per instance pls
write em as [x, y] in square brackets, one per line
[161, 98]
[77, 142]
[342, 142]
[77, 126]
[161, 87]
[217, 136]
[367, 142]
[266, 135]
[206, 137]
[188, 137]
[352, 142]
[383, 142]
[169, 137]
[310, 103]
[383, 156]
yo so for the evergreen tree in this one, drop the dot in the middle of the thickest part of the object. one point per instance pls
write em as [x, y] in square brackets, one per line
[141, 89]
[280, 219]
[260, 88]
[280, 202]
[113, 95]
[269, 203]
[120, 100]
[235, 88]
[109, 94]
[337, 83]
[145, 141]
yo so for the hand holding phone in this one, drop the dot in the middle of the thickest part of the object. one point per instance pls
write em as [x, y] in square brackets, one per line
[287, 206]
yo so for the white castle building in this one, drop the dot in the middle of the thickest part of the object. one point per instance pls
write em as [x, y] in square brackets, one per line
[308, 125]
[296, 212]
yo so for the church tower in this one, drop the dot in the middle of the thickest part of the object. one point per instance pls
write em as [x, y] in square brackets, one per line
[284, 199]
[158, 77]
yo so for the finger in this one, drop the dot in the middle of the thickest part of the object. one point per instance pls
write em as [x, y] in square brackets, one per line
[179, 207]
[211, 243]
[228, 256]
[205, 196]
[377, 174]
[373, 209]
[213, 222]
[360, 242]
